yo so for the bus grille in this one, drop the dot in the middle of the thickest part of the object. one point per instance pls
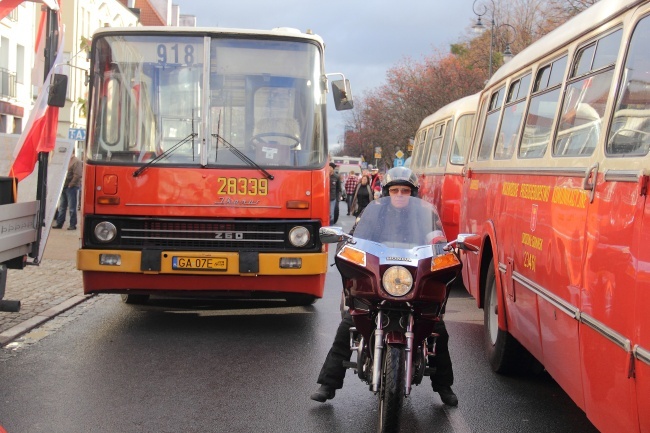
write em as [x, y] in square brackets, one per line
[202, 235]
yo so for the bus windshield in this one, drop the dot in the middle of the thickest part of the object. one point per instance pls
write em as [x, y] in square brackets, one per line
[253, 100]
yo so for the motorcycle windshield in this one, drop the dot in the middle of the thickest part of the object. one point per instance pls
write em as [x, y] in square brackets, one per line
[400, 221]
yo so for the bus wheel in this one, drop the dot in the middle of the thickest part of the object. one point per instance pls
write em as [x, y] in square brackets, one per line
[503, 351]
[134, 299]
[298, 300]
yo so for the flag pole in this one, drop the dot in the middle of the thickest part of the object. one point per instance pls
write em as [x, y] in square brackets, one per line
[51, 48]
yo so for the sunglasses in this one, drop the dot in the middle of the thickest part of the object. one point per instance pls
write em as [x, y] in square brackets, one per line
[403, 191]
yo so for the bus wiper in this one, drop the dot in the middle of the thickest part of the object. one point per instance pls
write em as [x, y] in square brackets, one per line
[242, 156]
[165, 154]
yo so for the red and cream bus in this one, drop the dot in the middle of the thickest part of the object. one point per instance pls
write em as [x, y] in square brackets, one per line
[440, 148]
[206, 164]
[557, 185]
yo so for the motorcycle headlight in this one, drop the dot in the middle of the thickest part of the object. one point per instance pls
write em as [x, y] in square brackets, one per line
[299, 236]
[397, 281]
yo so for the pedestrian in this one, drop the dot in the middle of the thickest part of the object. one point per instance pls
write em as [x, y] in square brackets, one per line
[335, 192]
[362, 196]
[375, 182]
[350, 187]
[68, 200]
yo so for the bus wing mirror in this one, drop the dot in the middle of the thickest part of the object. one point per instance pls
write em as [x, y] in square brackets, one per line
[342, 94]
[57, 91]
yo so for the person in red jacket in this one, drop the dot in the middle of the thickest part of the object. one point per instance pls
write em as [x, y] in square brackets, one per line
[350, 186]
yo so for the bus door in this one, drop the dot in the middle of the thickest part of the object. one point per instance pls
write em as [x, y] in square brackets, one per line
[614, 294]
[641, 344]
[433, 175]
[454, 152]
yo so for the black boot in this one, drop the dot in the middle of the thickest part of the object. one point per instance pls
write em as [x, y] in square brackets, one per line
[323, 394]
[447, 396]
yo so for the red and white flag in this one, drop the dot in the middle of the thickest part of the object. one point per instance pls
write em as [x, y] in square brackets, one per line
[6, 6]
[39, 134]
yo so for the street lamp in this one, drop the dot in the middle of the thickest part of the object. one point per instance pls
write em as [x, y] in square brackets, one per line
[479, 27]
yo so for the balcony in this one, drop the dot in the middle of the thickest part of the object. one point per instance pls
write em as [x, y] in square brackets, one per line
[7, 84]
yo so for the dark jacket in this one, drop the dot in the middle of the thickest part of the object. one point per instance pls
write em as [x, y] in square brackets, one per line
[335, 187]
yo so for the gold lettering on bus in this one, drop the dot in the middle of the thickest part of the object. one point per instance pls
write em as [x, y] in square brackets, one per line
[242, 186]
[570, 197]
[529, 261]
[474, 184]
[535, 192]
[532, 241]
[510, 189]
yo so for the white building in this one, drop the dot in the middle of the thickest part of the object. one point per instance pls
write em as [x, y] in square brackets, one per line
[17, 32]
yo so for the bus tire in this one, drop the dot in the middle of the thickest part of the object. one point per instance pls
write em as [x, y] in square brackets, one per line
[504, 352]
[132, 299]
[299, 300]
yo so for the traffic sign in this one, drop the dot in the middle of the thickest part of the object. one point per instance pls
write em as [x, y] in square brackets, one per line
[398, 162]
[399, 154]
[78, 134]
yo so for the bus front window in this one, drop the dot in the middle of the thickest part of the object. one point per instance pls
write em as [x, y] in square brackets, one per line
[256, 100]
[146, 99]
[266, 102]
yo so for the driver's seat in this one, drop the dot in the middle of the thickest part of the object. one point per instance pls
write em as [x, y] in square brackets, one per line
[274, 150]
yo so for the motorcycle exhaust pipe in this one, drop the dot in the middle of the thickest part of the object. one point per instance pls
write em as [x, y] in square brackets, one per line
[379, 346]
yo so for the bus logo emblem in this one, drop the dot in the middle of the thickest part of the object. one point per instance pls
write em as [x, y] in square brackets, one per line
[229, 235]
[533, 218]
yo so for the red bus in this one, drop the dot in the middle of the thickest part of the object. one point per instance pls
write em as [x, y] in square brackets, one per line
[557, 185]
[206, 164]
[440, 148]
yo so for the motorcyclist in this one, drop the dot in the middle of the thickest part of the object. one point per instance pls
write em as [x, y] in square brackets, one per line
[401, 183]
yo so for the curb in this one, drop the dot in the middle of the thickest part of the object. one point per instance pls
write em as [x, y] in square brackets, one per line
[12, 333]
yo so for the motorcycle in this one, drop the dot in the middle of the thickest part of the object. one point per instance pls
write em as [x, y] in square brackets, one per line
[396, 267]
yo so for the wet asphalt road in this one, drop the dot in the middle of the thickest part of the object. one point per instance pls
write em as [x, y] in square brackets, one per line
[198, 366]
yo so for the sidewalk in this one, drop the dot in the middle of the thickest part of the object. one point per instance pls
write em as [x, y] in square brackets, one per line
[45, 290]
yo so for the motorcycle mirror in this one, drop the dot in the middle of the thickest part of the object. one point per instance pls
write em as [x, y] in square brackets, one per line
[331, 234]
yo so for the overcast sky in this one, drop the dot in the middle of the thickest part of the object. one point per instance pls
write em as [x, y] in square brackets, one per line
[363, 38]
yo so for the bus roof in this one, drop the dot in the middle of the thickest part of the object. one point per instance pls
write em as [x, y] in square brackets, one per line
[197, 31]
[584, 22]
[457, 108]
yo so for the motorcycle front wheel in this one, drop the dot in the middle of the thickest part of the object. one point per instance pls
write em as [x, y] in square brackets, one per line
[391, 393]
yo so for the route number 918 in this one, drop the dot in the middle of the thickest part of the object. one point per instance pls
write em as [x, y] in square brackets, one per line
[173, 54]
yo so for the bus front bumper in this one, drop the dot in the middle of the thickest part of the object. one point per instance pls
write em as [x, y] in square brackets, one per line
[117, 271]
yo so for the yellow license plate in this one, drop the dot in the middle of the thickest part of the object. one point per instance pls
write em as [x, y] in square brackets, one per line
[184, 263]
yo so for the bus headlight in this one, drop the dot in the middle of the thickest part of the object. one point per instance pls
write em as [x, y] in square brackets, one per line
[105, 231]
[299, 236]
[397, 281]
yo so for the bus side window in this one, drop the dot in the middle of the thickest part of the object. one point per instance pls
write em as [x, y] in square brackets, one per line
[462, 135]
[491, 124]
[423, 150]
[435, 141]
[446, 144]
[543, 106]
[512, 116]
[585, 97]
[629, 134]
